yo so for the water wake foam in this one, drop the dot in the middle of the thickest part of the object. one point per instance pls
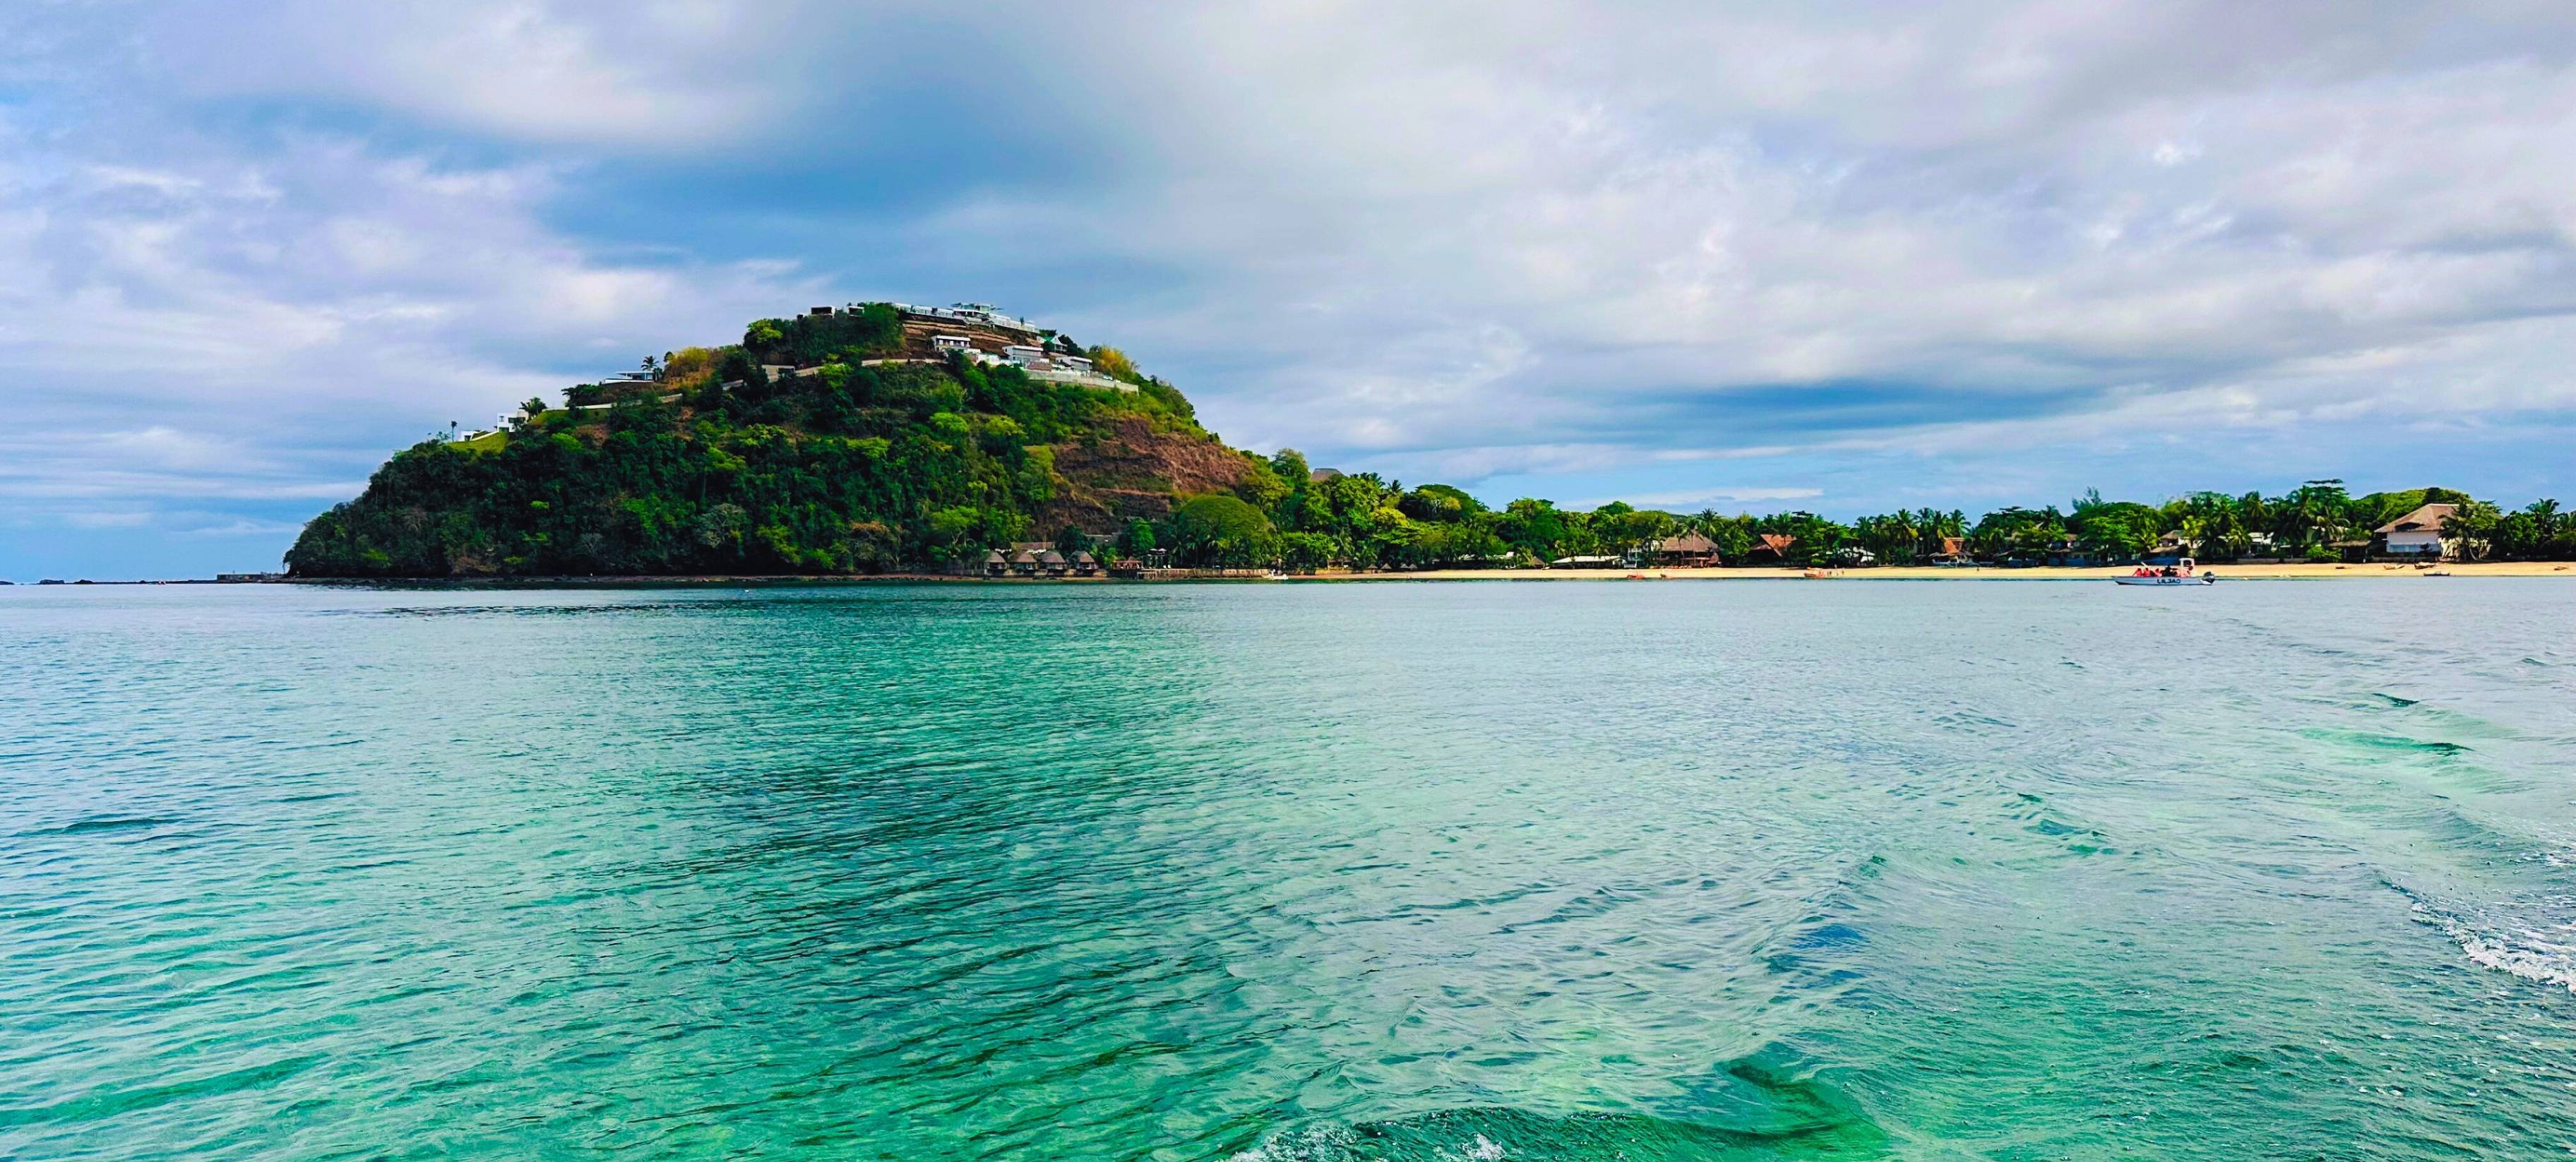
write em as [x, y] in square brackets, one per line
[1748, 1109]
[2539, 950]
[2539, 955]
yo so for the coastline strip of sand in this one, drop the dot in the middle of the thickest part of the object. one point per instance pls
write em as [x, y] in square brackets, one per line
[1888, 573]
[1973, 573]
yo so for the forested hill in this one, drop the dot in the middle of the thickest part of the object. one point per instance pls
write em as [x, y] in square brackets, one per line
[858, 441]
[822, 444]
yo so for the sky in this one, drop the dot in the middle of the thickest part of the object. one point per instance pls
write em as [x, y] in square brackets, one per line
[1842, 258]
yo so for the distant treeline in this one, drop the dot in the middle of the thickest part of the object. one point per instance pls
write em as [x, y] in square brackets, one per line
[710, 465]
[1361, 520]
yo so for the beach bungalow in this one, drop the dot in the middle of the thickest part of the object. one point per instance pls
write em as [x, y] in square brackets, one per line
[1024, 564]
[1690, 550]
[1771, 549]
[995, 564]
[1084, 564]
[1052, 563]
[2417, 534]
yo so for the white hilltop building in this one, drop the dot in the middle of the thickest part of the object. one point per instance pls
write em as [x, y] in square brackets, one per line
[1024, 345]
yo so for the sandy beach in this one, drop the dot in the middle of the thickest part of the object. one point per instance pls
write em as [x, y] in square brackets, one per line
[1889, 573]
[1968, 573]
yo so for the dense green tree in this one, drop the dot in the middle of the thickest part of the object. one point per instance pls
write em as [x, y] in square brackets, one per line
[2116, 530]
[2314, 515]
[2018, 534]
[1221, 531]
[1893, 538]
[1305, 552]
[1137, 539]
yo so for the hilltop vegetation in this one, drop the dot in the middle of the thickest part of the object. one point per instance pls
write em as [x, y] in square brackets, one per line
[716, 467]
[868, 461]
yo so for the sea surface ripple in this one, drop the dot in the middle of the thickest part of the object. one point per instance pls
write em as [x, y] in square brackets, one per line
[1263, 872]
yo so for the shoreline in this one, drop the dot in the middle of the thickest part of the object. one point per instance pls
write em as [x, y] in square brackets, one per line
[2283, 572]
[2288, 572]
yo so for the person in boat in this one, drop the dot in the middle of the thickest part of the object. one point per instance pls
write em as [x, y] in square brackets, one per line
[2169, 572]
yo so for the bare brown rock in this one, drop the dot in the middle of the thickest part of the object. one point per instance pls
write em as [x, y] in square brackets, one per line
[1135, 472]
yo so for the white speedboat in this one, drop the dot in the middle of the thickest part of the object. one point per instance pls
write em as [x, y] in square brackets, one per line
[2182, 573]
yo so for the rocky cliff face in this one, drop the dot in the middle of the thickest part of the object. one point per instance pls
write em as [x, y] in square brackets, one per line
[1133, 472]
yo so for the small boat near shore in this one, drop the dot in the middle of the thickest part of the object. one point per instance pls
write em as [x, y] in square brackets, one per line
[2179, 573]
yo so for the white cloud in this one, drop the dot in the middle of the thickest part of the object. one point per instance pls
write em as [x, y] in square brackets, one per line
[264, 326]
[1522, 239]
[654, 74]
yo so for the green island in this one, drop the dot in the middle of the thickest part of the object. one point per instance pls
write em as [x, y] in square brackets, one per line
[881, 438]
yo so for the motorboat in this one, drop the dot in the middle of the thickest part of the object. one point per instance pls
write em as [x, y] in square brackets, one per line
[2181, 572]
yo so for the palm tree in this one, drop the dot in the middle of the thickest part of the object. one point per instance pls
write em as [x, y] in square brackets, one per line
[2315, 513]
[2472, 526]
[2215, 526]
[1932, 526]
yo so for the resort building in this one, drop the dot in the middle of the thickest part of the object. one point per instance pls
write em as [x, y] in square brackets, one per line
[977, 332]
[1690, 550]
[979, 315]
[1771, 549]
[2417, 534]
[1028, 559]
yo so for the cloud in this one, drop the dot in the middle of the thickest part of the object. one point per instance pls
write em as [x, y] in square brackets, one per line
[203, 319]
[1515, 243]
[645, 74]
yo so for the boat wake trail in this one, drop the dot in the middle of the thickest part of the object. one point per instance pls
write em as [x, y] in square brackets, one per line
[1754, 1108]
[2508, 940]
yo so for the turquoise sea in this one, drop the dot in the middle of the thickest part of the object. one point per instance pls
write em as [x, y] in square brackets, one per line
[1270, 872]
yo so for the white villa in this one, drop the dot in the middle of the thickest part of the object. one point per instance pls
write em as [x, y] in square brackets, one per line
[1040, 361]
[982, 314]
[2418, 533]
[955, 331]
